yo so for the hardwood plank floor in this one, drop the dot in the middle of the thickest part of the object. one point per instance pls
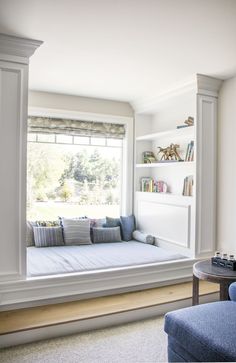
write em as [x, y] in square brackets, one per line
[42, 316]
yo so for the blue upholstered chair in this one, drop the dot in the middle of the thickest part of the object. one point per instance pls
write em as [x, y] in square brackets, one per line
[203, 333]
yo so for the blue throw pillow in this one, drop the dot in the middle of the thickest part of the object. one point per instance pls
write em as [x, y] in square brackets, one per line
[127, 227]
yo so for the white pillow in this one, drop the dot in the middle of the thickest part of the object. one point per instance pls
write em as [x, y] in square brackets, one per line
[76, 231]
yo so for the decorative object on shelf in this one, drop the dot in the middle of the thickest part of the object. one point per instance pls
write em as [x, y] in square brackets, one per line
[188, 122]
[224, 261]
[190, 152]
[170, 152]
[188, 186]
[148, 157]
[153, 186]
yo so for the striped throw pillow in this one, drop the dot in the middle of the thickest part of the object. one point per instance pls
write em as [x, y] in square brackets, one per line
[104, 235]
[48, 236]
[76, 231]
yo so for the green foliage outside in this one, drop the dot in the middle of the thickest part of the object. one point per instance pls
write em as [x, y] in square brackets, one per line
[83, 178]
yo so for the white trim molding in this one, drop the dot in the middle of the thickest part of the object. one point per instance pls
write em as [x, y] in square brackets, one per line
[16, 49]
[198, 83]
[91, 284]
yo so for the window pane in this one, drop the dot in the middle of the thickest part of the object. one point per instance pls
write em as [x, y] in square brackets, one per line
[100, 141]
[73, 180]
[81, 140]
[64, 139]
[114, 142]
[46, 138]
[31, 137]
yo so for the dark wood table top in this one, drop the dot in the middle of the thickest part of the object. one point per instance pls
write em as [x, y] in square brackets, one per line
[204, 270]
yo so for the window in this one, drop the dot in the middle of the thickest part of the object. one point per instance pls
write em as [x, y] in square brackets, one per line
[73, 174]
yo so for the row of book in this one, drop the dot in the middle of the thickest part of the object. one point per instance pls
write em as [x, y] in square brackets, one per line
[188, 186]
[153, 186]
[190, 152]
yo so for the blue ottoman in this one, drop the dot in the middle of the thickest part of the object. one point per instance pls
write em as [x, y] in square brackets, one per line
[203, 333]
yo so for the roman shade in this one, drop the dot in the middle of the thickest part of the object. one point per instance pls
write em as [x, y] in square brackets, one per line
[49, 125]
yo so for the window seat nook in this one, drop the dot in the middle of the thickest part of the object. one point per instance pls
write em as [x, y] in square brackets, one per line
[71, 259]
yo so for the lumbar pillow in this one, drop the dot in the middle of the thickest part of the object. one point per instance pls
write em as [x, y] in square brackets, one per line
[143, 237]
[76, 231]
[127, 227]
[48, 236]
[112, 222]
[108, 234]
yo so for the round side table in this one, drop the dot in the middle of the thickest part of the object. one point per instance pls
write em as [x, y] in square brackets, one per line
[204, 270]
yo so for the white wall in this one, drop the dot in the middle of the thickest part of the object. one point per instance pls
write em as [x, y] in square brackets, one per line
[81, 104]
[226, 179]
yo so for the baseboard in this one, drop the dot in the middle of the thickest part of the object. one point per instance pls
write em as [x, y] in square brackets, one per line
[104, 321]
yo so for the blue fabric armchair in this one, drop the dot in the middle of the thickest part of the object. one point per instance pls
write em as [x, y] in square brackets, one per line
[203, 333]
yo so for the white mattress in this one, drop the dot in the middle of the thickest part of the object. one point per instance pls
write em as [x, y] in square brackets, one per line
[68, 259]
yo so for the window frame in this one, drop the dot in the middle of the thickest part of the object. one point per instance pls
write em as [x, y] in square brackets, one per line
[127, 170]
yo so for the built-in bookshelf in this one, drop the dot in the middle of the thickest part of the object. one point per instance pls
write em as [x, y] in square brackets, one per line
[181, 215]
[183, 137]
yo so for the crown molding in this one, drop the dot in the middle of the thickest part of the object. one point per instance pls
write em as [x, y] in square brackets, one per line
[153, 103]
[199, 83]
[17, 49]
[208, 85]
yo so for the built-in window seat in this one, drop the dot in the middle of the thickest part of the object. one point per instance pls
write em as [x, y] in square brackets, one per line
[84, 258]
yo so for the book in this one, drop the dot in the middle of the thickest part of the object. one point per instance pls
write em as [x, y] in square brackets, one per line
[182, 126]
[188, 186]
[190, 152]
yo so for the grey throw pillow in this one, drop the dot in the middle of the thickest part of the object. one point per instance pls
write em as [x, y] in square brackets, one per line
[48, 236]
[112, 222]
[30, 233]
[127, 227]
[76, 231]
[105, 235]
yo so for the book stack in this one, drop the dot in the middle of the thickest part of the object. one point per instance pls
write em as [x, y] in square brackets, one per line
[188, 186]
[190, 152]
[146, 185]
[153, 186]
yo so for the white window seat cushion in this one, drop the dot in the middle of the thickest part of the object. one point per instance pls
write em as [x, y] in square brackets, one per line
[69, 259]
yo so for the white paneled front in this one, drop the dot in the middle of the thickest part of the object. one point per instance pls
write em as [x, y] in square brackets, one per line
[169, 218]
[206, 175]
[14, 54]
[11, 257]
[168, 222]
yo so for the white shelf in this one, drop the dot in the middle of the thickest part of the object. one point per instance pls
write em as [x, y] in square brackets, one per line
[183, 132]
[167, 195]
[170, 164]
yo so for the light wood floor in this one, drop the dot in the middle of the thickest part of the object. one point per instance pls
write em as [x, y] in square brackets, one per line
[43, 316]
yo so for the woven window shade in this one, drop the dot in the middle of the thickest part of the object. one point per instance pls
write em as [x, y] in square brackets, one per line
[48, 125]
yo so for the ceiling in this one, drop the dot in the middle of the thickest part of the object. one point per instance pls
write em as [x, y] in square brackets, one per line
[127, 50]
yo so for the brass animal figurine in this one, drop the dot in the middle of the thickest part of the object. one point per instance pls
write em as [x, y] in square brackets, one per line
[170, 152]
